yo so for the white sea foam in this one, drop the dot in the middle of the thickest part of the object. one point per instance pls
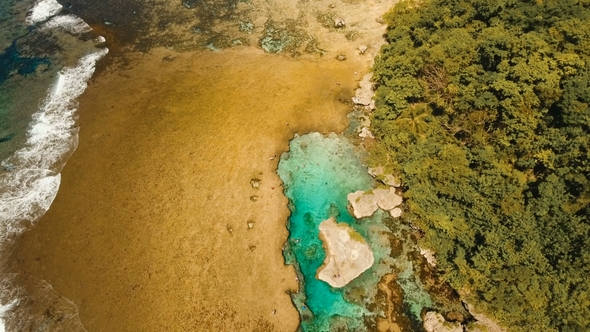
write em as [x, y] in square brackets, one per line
[31, 180]
[42, 11]
[70, 23]
[31, 304]
[31, 183]
[3, 310]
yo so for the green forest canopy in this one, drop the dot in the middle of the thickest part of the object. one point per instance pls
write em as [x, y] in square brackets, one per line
[482, 108]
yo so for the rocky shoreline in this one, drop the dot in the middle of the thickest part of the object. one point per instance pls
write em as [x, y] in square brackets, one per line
[364, 204]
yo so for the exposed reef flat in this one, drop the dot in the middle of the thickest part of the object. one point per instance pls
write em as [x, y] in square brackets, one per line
[149, 230]
[347, 253]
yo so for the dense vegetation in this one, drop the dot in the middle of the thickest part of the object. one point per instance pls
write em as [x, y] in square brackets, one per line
[482, 108]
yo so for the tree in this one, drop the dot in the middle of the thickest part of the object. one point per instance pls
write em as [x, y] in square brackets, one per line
[482, 108]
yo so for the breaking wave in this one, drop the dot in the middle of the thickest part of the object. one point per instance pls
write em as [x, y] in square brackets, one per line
[30, 177]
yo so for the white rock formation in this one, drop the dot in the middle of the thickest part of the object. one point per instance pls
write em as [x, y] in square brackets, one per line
[347, 254]
[435, 322]
[391, 180]
[339, 22]
[429, 255]
[363, 204]
[364, 94]
[396, 212]
[387, 199]
[365, 132]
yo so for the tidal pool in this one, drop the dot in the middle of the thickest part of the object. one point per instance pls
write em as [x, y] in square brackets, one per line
[318, 173]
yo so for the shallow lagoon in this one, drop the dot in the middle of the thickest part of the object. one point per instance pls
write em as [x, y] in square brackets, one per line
[318, 173]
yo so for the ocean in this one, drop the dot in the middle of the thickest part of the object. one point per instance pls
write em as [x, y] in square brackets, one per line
[46, 60]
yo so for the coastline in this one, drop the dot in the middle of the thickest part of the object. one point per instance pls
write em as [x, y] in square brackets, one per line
[149, 228]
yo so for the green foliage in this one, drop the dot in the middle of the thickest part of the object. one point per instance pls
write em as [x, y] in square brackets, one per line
[482, 108]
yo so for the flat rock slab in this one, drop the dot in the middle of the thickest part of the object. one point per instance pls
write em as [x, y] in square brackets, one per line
[435, 322]
[364, 94]
[347, 254]
[363, 204]
[429, 255]
[387, 199]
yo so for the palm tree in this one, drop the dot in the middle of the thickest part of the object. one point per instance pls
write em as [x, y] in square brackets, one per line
[414, 118]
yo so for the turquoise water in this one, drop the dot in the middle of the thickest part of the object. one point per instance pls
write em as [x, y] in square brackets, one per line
[318, 173]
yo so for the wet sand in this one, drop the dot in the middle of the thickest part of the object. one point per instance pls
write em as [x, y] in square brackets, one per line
[149, 230]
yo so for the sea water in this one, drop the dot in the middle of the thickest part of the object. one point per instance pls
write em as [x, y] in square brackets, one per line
[46, 59]
[318, 173]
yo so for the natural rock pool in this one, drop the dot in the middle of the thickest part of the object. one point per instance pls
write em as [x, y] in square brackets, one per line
[318, 173]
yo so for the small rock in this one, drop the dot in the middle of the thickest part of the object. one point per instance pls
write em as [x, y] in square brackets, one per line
[396, 212]
[366, 133]
[362, 49]
[230, 229]
[391, 180]
[388, 179]
[168, 58]
[341, 57]
[255, 183]
[379, 20]
[332, 6]
[250, 224]
[339, 22]
[252, 248]
[376, 171]
[254, 198]
[429, 255]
